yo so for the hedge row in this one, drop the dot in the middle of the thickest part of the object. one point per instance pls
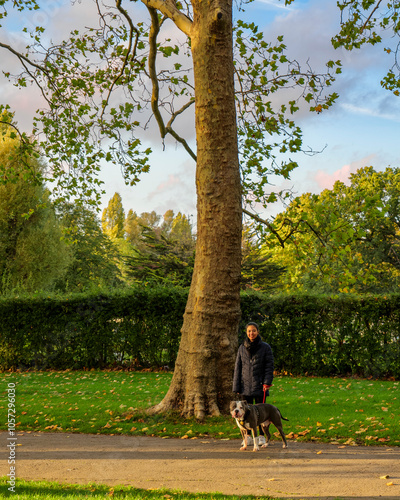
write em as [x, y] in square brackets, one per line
[92, 331]
[317, 335]
[327, 336]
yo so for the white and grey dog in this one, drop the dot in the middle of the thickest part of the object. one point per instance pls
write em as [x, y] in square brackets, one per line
[249, 417]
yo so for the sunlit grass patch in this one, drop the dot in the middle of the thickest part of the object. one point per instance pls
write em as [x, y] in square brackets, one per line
[43, 490]
[351, 411]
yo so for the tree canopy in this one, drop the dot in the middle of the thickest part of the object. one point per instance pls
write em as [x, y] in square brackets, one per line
[345, 239]
[119, 84]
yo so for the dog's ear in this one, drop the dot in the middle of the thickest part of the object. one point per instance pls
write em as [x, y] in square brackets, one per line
[244, 403]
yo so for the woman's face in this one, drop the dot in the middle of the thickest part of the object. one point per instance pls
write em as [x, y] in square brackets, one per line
[252, 332]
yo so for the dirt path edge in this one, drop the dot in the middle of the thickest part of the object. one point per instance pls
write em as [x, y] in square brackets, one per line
[302, 471]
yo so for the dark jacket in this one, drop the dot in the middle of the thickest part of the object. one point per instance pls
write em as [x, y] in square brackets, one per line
[254, 367]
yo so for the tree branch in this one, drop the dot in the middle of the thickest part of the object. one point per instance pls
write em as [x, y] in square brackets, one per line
[169, 9]
[172, 132]
[164, 130]
[154, 30]
[130, 49]
[369, 17]
[269, 226]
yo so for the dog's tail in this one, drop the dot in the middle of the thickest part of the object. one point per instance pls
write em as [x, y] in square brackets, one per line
[283, 418]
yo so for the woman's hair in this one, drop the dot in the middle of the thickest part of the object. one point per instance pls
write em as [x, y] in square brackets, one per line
[253, 324]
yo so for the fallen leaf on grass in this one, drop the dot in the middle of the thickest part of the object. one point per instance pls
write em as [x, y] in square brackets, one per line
[389, 484]
[386, 476]
[319, 452]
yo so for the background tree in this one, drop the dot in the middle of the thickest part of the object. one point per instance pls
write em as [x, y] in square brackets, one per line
[32, 253]
[132, 228]
[113, 218]
[135, 223]
[162, 260]
[94, 263]
[258, 272]
[164, 253]
[83, 76]
[345, 239]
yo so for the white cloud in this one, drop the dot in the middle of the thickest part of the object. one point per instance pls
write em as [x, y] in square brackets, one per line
[275, 4]
[326, 180]
[370, 112]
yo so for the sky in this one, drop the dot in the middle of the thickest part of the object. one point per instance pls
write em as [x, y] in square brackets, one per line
[361, 129]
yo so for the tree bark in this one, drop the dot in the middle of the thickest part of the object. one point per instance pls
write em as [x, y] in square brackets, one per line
[202, 379]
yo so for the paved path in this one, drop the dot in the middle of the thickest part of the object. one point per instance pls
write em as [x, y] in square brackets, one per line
[303, 471]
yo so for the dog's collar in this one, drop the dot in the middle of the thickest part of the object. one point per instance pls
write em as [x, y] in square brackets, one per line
[243, 420]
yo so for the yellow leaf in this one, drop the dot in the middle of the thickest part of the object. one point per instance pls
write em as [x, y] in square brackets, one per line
[389, 484]
[319, 452]
[386, 476]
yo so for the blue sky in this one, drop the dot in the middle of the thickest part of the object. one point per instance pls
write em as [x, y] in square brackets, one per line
[361, 129]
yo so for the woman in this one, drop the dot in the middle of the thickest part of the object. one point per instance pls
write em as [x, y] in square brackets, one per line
[254, 368]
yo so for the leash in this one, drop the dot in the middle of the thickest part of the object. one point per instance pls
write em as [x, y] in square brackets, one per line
[265, 393]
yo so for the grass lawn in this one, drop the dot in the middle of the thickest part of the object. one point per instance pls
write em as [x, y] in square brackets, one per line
[30, 490]
[351, 411]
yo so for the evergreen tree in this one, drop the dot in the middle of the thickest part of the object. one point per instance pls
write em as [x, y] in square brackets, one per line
[164, 253]
[32, 253]
[258, 272]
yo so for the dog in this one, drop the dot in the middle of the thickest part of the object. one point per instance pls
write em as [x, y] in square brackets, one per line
[248, 417]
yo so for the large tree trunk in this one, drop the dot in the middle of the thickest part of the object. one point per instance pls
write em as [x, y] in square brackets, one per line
[202, 378]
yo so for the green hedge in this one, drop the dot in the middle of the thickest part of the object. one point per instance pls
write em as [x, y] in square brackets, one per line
[141, 327]
[320, 335]
[316, 335]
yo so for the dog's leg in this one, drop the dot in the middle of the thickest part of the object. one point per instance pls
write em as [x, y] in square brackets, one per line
[280, 429]
[267, 434]
[255, 440]
[244, 436]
